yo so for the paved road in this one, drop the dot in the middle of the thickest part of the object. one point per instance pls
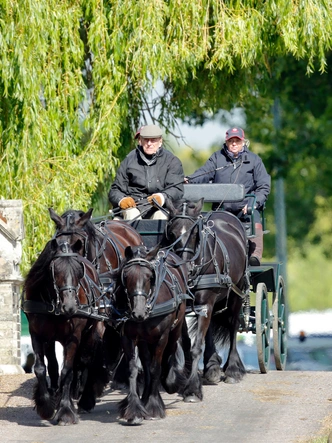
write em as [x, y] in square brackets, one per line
[275, 407]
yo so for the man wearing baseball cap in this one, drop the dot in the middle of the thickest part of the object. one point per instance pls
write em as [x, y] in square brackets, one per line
[147, 175]
[234, 163]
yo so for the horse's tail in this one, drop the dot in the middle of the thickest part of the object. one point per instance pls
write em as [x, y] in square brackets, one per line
[220, 333]
[174, 377]
[225, 320]
[218, 325]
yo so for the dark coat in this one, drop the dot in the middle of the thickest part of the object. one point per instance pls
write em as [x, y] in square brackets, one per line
[248, 169]
[138, 179]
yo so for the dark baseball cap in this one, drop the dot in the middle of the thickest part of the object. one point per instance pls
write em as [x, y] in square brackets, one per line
[235, 132]
[150, 131]
[138, 132]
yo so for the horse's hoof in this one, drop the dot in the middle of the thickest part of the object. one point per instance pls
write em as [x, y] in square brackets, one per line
[82, 411]
[210, 382]
[66, 417]
[231, 380]
[212, 379]
[132, 421]
[192, 399]
[135, 421]
[68, 423]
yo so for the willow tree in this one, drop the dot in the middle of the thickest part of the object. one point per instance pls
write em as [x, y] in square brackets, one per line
[76, 75]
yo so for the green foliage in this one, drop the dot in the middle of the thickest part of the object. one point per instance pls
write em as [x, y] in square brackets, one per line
[75, 77]
[300, 151]
[307, 286]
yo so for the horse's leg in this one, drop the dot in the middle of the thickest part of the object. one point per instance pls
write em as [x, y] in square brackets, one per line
[193, 391]
[234, 369]
[145, 358]
[52, 366]
[66, 414]
[186, 346]
[97, 376]
[130, 408]
[174, 375]
[115, 362]
[153, 402]
[42, 396]
[212, 361]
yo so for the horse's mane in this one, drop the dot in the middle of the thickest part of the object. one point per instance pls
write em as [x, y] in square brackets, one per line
[133, 252]
[89, 226]
[38, 274]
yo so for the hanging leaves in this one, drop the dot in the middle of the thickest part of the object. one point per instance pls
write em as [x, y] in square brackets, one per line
[75, 76]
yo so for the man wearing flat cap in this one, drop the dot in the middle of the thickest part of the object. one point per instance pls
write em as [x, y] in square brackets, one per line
[148, 175]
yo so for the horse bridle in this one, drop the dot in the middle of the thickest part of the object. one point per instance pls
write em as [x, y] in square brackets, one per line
[65, 252]
[196, 222]
[141, 262]
[69, 231]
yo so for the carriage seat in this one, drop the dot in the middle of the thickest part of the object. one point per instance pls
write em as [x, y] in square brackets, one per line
[221, 192]
[214, 192]
[152, 230]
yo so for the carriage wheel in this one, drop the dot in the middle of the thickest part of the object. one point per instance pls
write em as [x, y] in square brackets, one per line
[263, 328]
[280, 326]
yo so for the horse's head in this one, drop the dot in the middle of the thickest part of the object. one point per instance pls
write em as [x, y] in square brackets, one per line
[67, 270]
[73, 227]
[182, 229]
[138, 280]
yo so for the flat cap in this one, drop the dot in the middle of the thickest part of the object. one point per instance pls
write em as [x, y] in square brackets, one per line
[150, 131]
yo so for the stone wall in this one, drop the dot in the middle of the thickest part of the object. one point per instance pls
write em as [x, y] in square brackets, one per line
[11, 236]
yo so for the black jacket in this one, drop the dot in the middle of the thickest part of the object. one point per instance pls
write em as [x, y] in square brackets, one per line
[248, 169]
[139, 178]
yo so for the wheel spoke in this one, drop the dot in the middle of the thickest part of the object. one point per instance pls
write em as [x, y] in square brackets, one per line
[262, 327]
[280, 325]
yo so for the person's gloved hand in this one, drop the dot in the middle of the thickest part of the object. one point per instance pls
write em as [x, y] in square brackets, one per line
[127, 202]
[160, 199]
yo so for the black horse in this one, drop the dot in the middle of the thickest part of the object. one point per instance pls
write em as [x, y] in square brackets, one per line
[103, 244]
[215, 249]
[60, 299]
[150, 297]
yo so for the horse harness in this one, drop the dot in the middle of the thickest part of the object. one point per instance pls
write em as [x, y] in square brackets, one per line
[92, 292]
[100, 247]
[198, 280]
[162, 275]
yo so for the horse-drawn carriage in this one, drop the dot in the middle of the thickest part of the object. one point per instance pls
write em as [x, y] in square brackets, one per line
[148, 272]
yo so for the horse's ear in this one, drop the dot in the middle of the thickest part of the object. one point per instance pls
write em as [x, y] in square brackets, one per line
[59, 222]
[84, 219]
[199, 206]
[153, 252]
[170, 207]
[129, 253]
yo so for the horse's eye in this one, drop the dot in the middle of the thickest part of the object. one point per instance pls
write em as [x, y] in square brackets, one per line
[171, 236]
